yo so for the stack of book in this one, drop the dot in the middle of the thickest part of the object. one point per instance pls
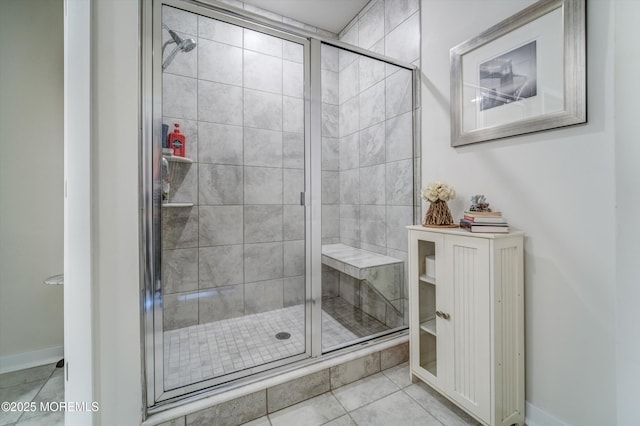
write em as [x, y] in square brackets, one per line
[484, 222]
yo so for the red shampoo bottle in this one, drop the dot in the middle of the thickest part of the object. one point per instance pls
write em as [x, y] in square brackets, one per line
[177, 141]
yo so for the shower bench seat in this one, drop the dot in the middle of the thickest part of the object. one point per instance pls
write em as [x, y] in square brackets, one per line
[354, 261]
[380, 278]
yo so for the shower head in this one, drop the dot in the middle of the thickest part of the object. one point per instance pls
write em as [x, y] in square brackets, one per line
[176, 38]
[182, 45]
[187, 45]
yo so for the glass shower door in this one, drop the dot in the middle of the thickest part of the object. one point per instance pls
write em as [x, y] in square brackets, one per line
[233, 258]
[367, 181]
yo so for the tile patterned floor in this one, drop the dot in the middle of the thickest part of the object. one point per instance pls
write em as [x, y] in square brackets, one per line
[386, 398]
[226, 346]
[37, 384]
[353, 322]
[213, 349]
[204, 351]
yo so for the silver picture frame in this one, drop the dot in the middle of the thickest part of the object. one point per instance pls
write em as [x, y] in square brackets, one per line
[524, 74]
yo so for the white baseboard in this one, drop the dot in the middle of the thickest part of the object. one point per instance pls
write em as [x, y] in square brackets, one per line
[537, 417]
[24, 360]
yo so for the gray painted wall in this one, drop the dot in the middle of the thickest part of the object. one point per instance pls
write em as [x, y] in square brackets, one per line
[31, 181]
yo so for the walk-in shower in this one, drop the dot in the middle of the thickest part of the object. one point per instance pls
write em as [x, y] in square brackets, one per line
[282, 236]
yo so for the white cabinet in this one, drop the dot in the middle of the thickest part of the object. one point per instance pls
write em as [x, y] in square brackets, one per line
[467, 319]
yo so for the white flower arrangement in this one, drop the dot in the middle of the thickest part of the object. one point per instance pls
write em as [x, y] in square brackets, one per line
[438, 191]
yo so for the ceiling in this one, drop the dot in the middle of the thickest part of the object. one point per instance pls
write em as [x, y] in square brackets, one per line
[331, 15]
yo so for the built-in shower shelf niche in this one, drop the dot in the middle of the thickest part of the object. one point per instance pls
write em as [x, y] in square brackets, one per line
[178, 159]
[176, 205]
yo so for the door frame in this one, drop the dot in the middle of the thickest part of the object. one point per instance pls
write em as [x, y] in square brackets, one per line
[78, 254]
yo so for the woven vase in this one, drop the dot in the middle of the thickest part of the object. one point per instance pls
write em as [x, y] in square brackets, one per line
[438, 214]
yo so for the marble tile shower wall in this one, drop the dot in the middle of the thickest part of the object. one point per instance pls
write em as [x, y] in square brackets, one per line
[238, 98]
[241, 228]
[368, 166]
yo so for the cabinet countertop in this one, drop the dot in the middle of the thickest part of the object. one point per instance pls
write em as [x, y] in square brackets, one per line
[465, 233]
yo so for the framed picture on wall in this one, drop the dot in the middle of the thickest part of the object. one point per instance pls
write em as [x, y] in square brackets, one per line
[525, 74]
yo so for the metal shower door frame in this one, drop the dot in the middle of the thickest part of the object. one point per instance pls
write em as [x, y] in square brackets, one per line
[152, 205]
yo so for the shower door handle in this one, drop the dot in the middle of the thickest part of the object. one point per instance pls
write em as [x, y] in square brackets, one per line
[302, 198]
